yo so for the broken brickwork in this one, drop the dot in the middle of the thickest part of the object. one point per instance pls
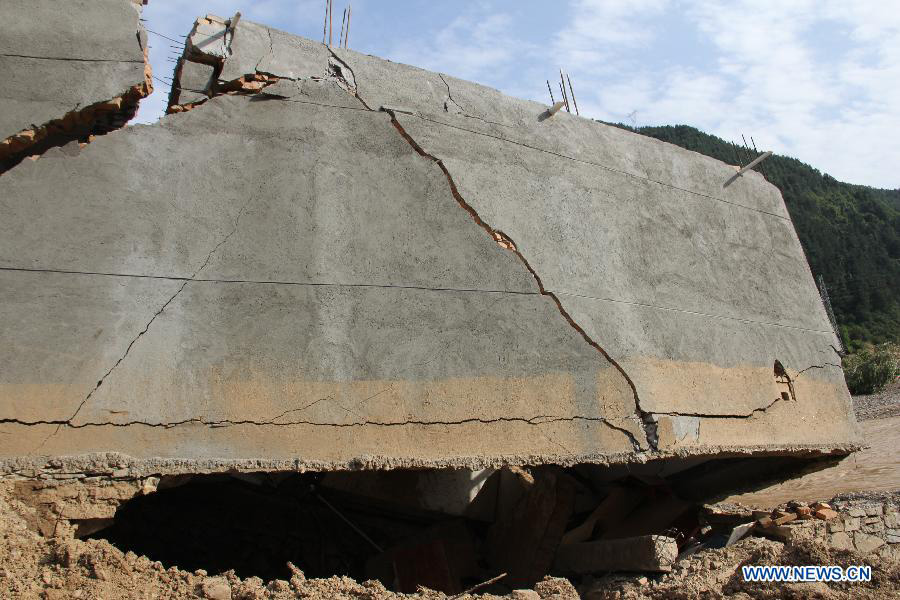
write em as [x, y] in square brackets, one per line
[68, 74]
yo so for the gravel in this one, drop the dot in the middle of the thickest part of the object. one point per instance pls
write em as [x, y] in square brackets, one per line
[882, 405]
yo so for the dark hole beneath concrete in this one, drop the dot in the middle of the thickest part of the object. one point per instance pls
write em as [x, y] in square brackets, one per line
[378, 525]
[255, 524]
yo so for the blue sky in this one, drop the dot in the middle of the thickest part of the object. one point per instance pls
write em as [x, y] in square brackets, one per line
[817, 80]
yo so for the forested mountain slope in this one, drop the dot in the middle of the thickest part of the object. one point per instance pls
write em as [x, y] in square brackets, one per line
[851, 234]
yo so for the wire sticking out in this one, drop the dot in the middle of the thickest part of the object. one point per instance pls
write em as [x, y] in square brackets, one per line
[347, 34]
[572, 90]
[165, 36]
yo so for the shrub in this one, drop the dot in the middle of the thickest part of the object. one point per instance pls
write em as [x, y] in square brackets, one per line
[872, 368]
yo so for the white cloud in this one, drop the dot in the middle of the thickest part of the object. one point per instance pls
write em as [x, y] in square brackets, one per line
[475, 45]
[814, 79]
[767, 71]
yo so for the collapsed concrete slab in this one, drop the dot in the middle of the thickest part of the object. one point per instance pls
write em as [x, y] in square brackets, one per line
[68, 74]
[330, 261]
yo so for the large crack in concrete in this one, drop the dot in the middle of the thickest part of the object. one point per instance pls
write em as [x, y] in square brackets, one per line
[648, 425]
[80, 124]
[537, 420]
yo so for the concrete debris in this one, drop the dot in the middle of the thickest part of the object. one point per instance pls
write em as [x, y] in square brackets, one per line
[649, 553]
[206, 42]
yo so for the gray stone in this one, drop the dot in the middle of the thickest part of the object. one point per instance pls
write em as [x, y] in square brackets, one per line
[851, 524]
[873, 510]
[866, 543]
[857, 511]
[841, 541]
[873, 527]
[645, 553]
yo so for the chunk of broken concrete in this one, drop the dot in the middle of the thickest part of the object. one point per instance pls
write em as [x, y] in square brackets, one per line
[195, 81]
[652, 553]
[207, 41]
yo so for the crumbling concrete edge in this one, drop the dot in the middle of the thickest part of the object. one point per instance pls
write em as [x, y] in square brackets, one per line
[107, 462]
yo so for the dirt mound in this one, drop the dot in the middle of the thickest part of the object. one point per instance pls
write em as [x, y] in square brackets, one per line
[717, 574]
[62, 567]
[33, 566]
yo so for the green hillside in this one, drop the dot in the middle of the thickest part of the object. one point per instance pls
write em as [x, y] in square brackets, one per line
[851, 234]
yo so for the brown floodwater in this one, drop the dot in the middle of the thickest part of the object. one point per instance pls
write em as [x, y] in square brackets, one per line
[877, 468]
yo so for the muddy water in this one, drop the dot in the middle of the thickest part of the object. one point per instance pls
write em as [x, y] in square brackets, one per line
[876, 468]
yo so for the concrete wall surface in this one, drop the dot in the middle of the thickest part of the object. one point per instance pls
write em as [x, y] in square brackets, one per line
[58, 57]
[368, 264]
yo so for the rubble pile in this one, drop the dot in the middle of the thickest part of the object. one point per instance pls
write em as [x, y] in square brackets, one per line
[525, 534]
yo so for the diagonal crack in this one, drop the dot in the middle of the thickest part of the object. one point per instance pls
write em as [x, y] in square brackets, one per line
[68, 422]
[349, 86]
[450, 97]
[263, 57]
[647, 422]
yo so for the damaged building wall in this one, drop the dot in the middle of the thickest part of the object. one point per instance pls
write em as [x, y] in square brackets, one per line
[332, 261]
[68, 74]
